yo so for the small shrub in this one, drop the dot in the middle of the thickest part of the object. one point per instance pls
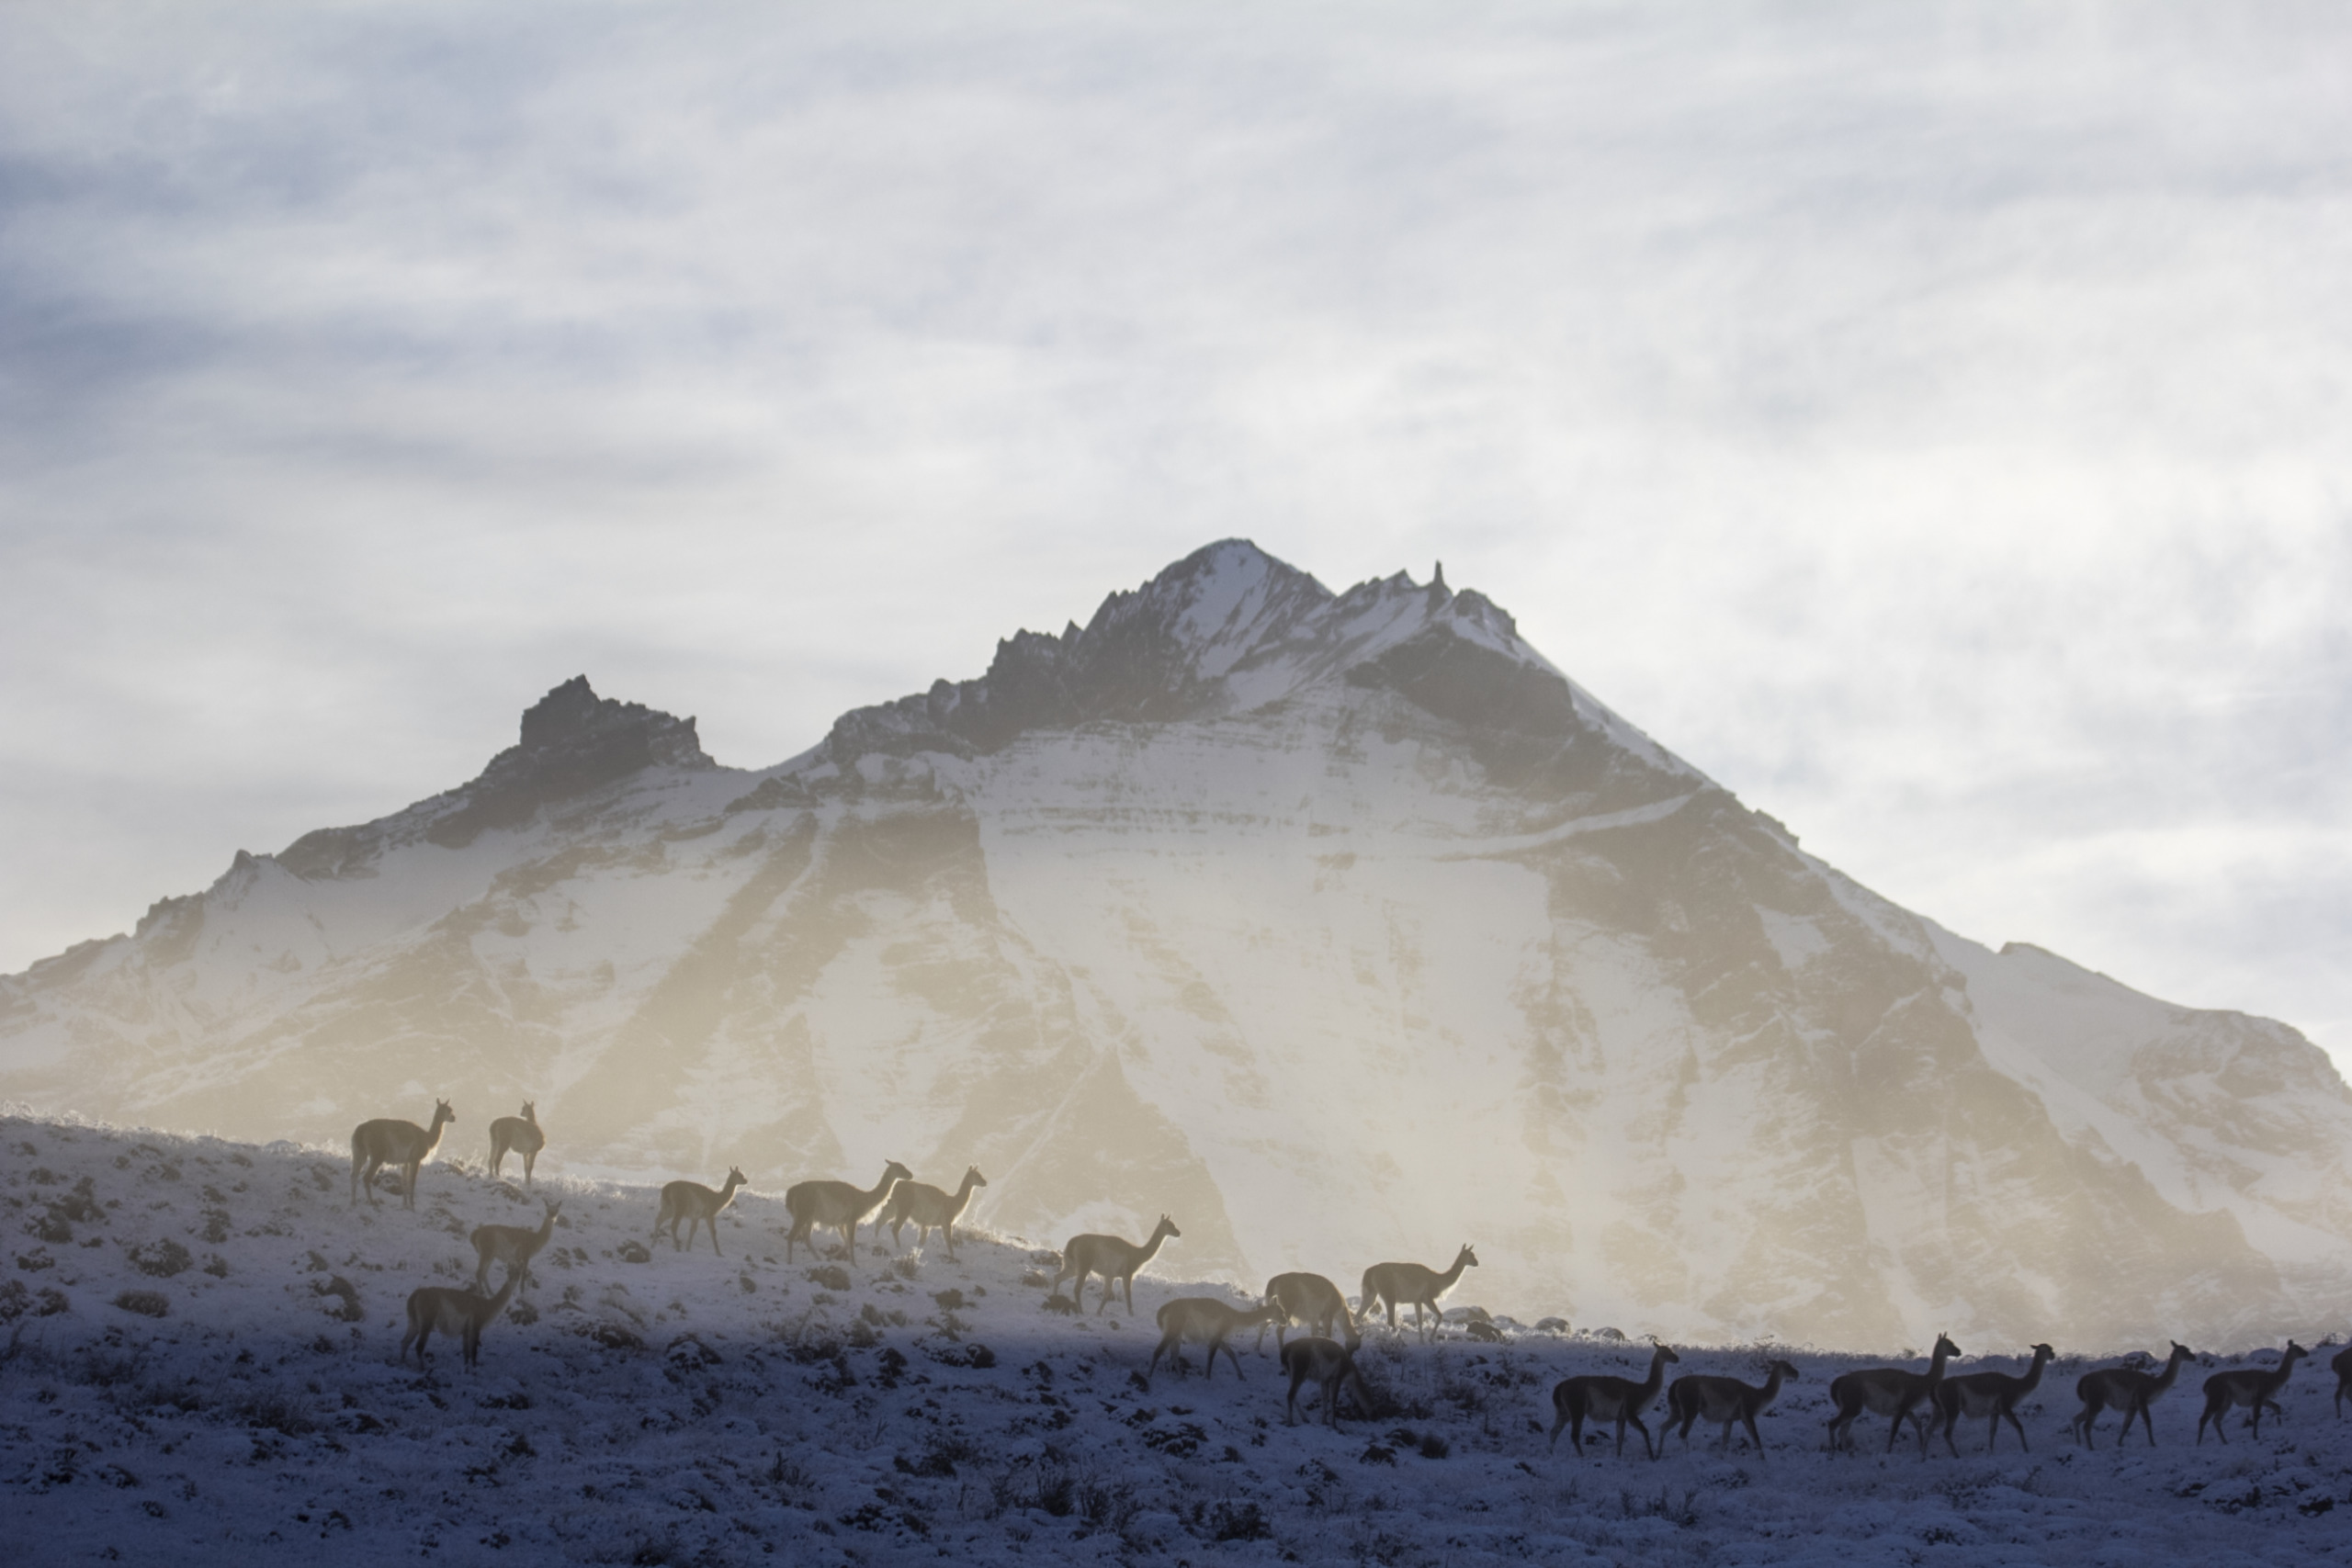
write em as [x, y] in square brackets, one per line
[272, 1409]
[15, 1301]
[635, 1252]
[346, 1297]
[146, 1303]
[1434, 1446]
[217, 1265]
[1376, 1454]
[160, 1259]
[830, 1277]
[1239, 1521]
[949, 1299]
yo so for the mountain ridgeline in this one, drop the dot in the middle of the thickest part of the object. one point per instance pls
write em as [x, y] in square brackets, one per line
[1340, 926]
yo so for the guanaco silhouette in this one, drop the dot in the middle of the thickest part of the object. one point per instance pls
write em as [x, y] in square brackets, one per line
[453, 1312]
[391, 1141]
[695, 1204]
[517, 1135]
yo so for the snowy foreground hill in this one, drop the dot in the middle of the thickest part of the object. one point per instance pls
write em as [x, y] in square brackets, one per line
[1341, 926]
[198, 1367]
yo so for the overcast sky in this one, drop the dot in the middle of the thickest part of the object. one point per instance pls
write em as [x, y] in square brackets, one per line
[1934, 422]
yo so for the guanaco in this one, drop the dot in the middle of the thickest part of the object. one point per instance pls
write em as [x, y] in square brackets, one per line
[1602, 1398]
[697, 1205]
[1325, 1363]
[517, 1135]
[1892, 1392]
[1207, 1320]
[928, 1210]
[390, 1141]
[1306, 1300]
[836, 1205]
[462, 1314]
[1695, 1398]
[1110, 1257]
[513, 1246]
[2253, 1386]
[1399, 1283]
[1991, 1395]
[2127, 1389]
[2341, 1365]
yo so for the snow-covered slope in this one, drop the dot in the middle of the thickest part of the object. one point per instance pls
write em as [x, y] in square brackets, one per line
[1342, 927]
[201, 1366]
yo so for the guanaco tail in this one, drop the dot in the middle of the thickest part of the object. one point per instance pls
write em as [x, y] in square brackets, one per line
[1605, 1398]
[695, 1205]
[1115, 1259]
[836, 1205]
[517, 1135]
[390, 1141]
[1401, 1283]
[928, 1209]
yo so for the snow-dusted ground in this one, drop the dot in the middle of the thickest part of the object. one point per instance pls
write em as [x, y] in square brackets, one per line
[692, 1408]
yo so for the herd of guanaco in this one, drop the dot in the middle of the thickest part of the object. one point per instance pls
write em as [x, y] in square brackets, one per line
[1295, 1300]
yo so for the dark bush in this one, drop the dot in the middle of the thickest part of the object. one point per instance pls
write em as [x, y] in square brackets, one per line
[146, 1303]
[1239, 1521]
[160, 1259]
[831, 1277]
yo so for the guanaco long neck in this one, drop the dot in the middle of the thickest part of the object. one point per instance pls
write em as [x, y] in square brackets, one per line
[498, 1302]
[874, 1194]
[963, 1193]
[726, 1193]
[546, 1229]
[1936, 1364]
[1657, 1368]
[1772, 1389]
[433, 1133]
[2172, 1370]
[2033, 1379]
[1151, 1247]
[1446, 1282]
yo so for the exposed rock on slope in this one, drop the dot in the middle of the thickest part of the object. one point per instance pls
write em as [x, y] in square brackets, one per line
[1342, 926]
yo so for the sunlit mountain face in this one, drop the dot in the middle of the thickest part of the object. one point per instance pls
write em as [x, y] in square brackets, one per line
[1340, 926]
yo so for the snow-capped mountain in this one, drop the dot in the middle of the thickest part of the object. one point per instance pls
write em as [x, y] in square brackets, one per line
[1341, 926]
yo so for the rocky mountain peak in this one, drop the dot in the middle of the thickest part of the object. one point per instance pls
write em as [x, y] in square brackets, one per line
[573, 741]
[1228, 629]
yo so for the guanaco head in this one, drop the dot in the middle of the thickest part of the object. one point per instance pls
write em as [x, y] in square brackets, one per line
[972, 1174]
[1944, 1347]
[1167, 1226]
[2044, 1352]
[1788, 1374]
[1467, 1257]
[441, 1112]
[735, 1177]
[895, 1171]
[531, 1111]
